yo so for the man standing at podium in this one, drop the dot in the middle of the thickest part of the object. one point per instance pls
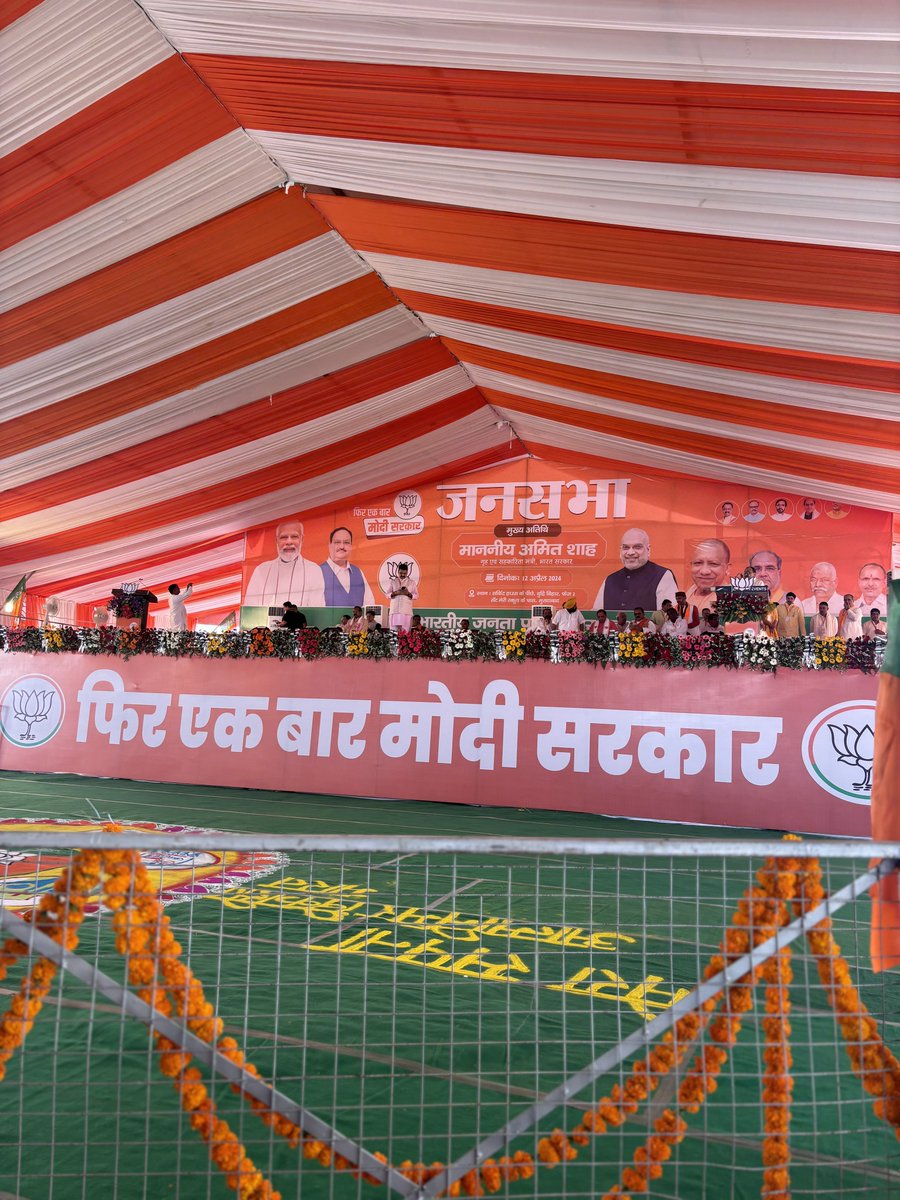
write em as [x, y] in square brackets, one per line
[177, 614]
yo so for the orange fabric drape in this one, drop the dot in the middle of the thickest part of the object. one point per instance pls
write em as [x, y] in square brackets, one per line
[272, 414]
[246, 235]
[138, 129]
[738, 410]
[291, 471]
[324, 313]
[653, 120]
[794, 364]
[753, 454]
[828, 276]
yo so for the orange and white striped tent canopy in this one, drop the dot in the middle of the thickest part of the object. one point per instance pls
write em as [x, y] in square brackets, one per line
[264, 256]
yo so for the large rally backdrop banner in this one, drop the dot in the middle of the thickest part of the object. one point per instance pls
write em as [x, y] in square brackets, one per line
[497, 542]
[784, 751]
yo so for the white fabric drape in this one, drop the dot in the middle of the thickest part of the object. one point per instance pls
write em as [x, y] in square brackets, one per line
[168, 329]
[184, 567]
[713, 422]
[793, 44]
[163, 487]
[756, 322]
[784, 206]
[780, 389]
[218, 177]
[67, 54]
[573, 438]
[331, 352]
[469, 435]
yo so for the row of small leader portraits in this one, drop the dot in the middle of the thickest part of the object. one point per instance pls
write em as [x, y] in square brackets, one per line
[781, 509]
[531, 532]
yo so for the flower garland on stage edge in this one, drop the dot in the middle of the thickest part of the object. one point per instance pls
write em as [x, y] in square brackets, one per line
[145, 938]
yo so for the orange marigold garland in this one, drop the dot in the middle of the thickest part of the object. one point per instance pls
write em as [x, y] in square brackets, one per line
[58, 915]
[760, 912]
[871, 1059]
[777, 1081]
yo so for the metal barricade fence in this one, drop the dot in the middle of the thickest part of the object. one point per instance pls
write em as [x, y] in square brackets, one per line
[550, 1018]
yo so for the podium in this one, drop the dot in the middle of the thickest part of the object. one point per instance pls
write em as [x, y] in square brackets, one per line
[130, 606]
[741, 609]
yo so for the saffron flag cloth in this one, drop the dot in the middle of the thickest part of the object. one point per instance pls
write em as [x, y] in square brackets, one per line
[885, 940]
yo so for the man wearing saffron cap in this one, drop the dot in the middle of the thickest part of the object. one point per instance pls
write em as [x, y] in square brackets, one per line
[569, 618]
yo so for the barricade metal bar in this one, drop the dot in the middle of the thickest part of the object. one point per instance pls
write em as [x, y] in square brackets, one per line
[643, 1037]
[390, 844]
[177, 1032]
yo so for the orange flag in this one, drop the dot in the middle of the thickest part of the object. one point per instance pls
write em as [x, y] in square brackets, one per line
[885, 939]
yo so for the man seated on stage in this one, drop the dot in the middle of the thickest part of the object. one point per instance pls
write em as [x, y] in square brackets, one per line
[709, 622]
[660, 615]
[675, 625]
[357, 621]
[688, 611]
[824, 623]
[875, 627]
[291, 617]
[641, 622]
[416, 622]
[371, 625]
[621, 625]
[602, 625]
[344, 623]
[542, 623]
[569, 619]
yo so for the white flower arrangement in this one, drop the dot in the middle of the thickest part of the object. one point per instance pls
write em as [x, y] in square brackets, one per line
[459, 644]
[760, 653]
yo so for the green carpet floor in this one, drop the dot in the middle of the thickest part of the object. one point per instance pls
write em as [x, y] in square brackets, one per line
[422, 1054]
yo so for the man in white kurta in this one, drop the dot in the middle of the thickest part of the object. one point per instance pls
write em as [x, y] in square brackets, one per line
[824, 623]
[569, 618]
[403, 593]
[289, 576]
[177, 613]
[542, 623]
[849, 620]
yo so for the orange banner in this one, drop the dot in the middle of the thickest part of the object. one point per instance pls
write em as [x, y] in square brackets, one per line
[534, 532]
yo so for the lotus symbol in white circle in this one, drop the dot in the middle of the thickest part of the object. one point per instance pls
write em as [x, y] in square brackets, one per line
[31, 708]
[856, 747]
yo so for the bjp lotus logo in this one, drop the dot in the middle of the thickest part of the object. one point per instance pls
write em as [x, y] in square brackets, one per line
[31, 711]
[857, 747]
[838, 748]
